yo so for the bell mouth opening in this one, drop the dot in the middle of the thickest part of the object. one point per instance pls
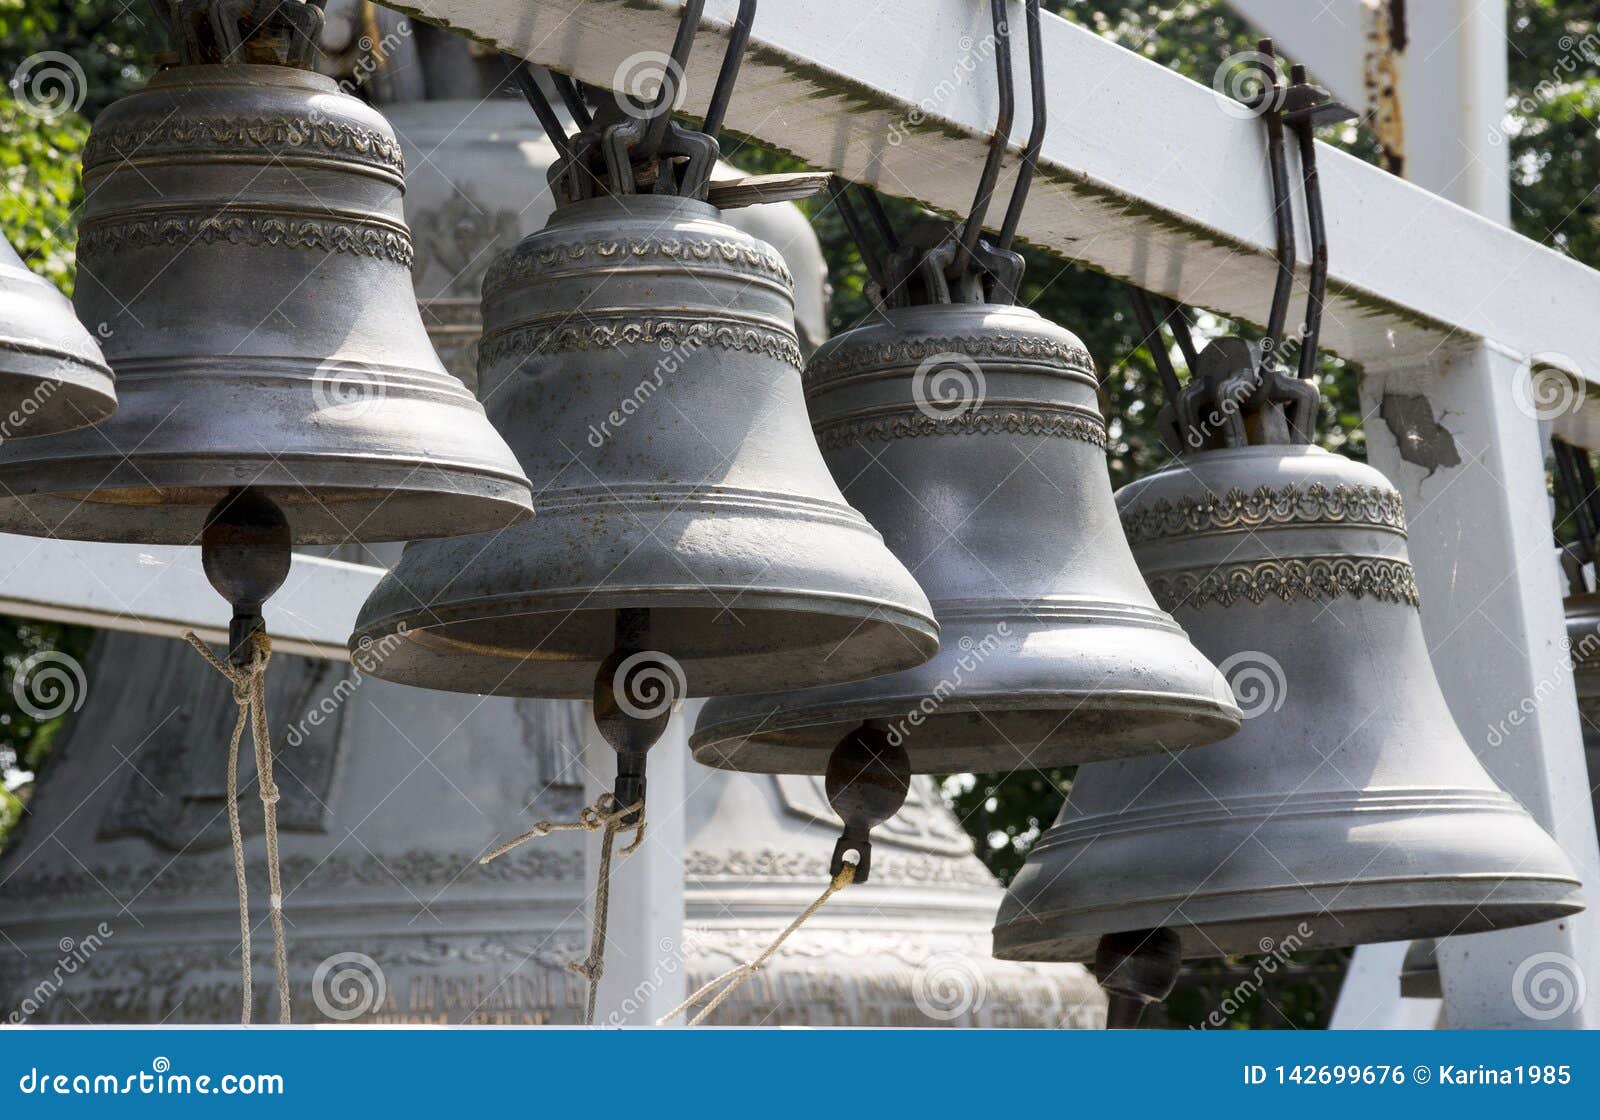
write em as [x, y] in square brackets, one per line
[743, 645]
[414, 509]
[52, 405]
[1333, 916]
[994, 734]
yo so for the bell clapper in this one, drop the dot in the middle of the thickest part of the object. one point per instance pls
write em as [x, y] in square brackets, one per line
[1136, 968]
[245, 551]
[634, 694]
[868, 778]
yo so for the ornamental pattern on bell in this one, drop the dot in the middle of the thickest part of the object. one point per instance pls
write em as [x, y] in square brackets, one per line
[1264, 507]
[1316, 578]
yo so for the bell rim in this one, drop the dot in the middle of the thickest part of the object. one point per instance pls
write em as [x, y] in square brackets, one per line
[483, 672]
[1396, 909]
[732, 745]
[84, 393]
[341, 512]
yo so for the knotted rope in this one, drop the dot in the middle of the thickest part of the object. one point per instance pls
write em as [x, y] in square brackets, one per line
[604, 816]
[250, 695]
[736, 976]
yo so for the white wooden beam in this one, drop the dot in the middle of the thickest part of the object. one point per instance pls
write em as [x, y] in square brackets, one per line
[1144, 174]
[1479, 520]
[162, 590]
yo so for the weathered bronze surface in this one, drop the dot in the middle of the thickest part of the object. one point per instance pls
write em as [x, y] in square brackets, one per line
[1349, 808]
[243, 249]
[971, 436]
[640, 355]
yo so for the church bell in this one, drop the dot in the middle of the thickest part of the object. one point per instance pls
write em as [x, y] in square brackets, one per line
[968, 429]
[243, 256]
[52, 375]
[639, 353]
[1348, 809]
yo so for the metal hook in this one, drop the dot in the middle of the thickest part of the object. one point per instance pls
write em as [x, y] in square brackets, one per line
[1178, 323]
[539, 103]
[1151, 331]
[1575, 473]
[722, 92]
[1305, 108]
[656, 128]
[1030, 154]
[573, 100]
[1271, 103]
[858, 231]
[997, 140]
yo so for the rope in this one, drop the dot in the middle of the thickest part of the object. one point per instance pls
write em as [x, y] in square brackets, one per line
[250, 695]
[734, 977]
[606, 817]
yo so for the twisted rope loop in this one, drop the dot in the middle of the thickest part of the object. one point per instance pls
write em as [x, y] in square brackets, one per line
[250, 695]
[604, 816]
[730, 981]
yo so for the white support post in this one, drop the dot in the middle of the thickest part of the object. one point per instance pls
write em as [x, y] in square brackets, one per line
[1491, 608]
[645, 962]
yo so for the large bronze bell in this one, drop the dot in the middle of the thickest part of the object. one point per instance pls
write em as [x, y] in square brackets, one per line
[243, 255]
[52, 374]
[968, 430]
[1348, 809]
[998, 499]
[640, 354]
[1583, 637]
